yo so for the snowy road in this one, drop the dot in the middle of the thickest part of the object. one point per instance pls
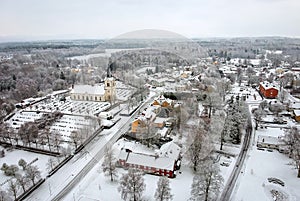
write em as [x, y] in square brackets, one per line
[229, 187]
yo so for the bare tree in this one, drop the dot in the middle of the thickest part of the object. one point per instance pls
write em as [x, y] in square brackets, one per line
[263, 105]
[4, 196]
[56, 140]
[163, 190]
[13, 188]
[33, 173]
[212, 101]
[223, 87]
[198, 146]
[292, 140]
[286, 80]
[207, 182]
[258, 115]
[132, 185]
[51, 164]
[45, 133]
[76, 138]
[6, 132]
[22, 181]
[28, 132]
[109, 164]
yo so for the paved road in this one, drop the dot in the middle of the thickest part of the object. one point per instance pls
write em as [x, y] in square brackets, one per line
[229, 187]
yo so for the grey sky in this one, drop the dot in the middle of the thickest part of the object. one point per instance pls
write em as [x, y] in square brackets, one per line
[105, 19]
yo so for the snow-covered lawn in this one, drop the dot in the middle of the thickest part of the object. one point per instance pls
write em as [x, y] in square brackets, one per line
[13, 156]
[96, 186]
[261, 165]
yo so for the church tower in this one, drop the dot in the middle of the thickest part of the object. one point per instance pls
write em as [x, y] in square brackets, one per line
[110, 89]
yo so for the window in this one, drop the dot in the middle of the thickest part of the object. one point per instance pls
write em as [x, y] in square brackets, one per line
[107, 84]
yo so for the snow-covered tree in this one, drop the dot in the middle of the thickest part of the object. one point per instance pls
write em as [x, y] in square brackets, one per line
[237, 114]
[56, 140]
[132, 185]
[212, 101]
[76, 138]
[276, 108]
[13, 188]
[22, 163]
[163, 190]
[22, 181]
[223, 87]
[198, 146]
[28, 132]
[51, 164]
[33, 173]
[207, 182]
[292, 140]
[4, 196]
[109, 164]
[258, 115]
[263, 105]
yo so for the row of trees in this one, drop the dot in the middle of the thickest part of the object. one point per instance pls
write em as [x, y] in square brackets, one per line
[19, 182]
[39, 133]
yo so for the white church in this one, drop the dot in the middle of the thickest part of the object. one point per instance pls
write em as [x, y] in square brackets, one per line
[99, 92]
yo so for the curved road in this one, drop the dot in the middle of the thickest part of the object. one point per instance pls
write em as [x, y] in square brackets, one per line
[229, 187]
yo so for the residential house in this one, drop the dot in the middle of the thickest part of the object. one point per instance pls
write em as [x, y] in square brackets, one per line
[268, 90]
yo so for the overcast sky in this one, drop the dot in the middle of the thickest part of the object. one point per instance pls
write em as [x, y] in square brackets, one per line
[50, 19]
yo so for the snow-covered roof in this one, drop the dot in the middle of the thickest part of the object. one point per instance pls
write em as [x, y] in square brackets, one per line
[295, 105]
[89, 89]
[268, 139]
[147, 160]
[268, 85]
[163, 132]
[297, 112]
[170, 149]
[159, 120]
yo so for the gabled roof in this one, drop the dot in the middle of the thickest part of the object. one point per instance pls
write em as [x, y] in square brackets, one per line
[297, 112]
[267, 85]
[147, 160]
[170, 149]
[88, 89]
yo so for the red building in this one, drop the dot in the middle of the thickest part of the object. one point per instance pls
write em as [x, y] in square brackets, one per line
[268, 90]
[164, 163]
